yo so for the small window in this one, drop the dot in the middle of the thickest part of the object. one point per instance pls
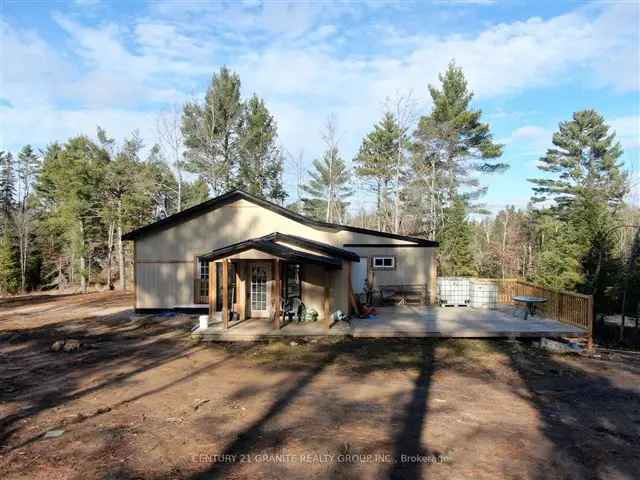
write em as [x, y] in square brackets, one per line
[384, 262]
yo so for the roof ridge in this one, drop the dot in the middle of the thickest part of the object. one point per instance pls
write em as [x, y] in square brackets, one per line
[227, 197]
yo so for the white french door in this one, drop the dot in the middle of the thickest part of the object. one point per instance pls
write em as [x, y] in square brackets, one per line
[259, 294]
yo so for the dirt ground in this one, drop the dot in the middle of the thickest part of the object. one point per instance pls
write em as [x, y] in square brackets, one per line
[139, 399]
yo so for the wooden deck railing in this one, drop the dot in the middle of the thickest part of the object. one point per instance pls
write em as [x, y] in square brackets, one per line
[200, 291]
[567, 307]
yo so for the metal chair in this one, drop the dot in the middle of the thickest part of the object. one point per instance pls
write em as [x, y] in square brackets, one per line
[293, 308]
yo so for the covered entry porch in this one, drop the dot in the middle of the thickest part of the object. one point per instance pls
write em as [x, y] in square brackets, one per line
[266, 282]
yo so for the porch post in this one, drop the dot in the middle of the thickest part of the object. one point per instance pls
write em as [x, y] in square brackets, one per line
[349, 288]
[241, 295]
[326, 305]
[225, 293]
[212, 289]
[277, 294]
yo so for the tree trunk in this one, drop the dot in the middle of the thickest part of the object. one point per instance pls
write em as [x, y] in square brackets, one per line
[378, 207]
[60, 273]
[83, 279]
[121, 258]
[23, 256]
[110, 255]
[396, 194]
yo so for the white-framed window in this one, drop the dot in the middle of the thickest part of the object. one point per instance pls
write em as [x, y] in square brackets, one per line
[386, 262]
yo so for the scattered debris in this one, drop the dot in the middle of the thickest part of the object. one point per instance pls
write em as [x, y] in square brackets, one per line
[314, 340]
[175, 419]
[293, 344]
[72, 345]
[77, 418]
[199, 402]
[57, 345]
[54, 434]
[559, 347]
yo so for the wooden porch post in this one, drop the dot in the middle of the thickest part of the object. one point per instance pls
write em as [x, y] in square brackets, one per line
[212, 289]
[225, 293]
[277, 293]
[349, 288]
[326, 306]
[241, 295]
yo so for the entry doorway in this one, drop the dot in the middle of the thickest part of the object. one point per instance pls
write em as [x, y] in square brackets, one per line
[359, 275]
[260, 276]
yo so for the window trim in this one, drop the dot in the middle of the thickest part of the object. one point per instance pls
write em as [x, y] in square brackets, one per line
[393, 265]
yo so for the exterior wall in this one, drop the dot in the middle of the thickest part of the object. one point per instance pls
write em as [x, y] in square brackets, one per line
[165, 260]
[414, 265]
[164, 285]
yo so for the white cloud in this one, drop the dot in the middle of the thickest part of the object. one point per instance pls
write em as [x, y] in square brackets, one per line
[531, 135]
[126, 70]
[43, 125]
[627, 131]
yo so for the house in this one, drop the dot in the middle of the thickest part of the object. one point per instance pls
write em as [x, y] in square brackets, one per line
[242, 254]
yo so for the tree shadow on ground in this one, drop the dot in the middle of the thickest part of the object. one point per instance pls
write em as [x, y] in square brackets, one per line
[408, 441]
[113, 348]
[354, 359]
[593, 425]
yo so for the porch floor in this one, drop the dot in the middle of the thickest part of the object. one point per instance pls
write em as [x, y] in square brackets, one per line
[407, 321]
[430, 321]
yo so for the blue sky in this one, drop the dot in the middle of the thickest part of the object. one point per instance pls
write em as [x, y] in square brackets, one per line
[69, 66]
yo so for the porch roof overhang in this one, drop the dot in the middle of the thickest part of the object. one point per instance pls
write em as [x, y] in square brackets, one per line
[271, 247]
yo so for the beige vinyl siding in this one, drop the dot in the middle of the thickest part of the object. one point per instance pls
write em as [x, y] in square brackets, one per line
[413, 264]
[164, 285]
[166, 282]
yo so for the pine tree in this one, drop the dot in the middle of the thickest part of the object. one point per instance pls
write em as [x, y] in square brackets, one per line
[70, 190]
[559, 258]
[9, 273]
[28, 166]
[260, 158]
[194, 193]
[375, 162]
[454, 133]
[7, 184]
[456, 257]
[211, 132]
[587, 187]
[452, 147]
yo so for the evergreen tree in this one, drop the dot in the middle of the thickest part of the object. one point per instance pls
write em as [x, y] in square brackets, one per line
[584, 162]
[7, 184]
[260, 162]
[375, 162]
[194, 193]
[9, 272]
[451, 149]
[456, 257]
[70, 189]
[211, 132]
[559, 259]
[28, 166]
[453, 135]
[587, 187]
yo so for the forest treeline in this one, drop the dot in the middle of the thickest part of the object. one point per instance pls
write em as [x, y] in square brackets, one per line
[65, 207]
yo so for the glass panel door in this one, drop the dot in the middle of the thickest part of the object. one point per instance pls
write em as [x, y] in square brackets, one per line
[259, 290]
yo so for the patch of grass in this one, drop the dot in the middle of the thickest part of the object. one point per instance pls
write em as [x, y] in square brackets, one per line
[468, 347]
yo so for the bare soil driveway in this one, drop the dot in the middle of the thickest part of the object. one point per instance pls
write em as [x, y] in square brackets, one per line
[140, 400]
